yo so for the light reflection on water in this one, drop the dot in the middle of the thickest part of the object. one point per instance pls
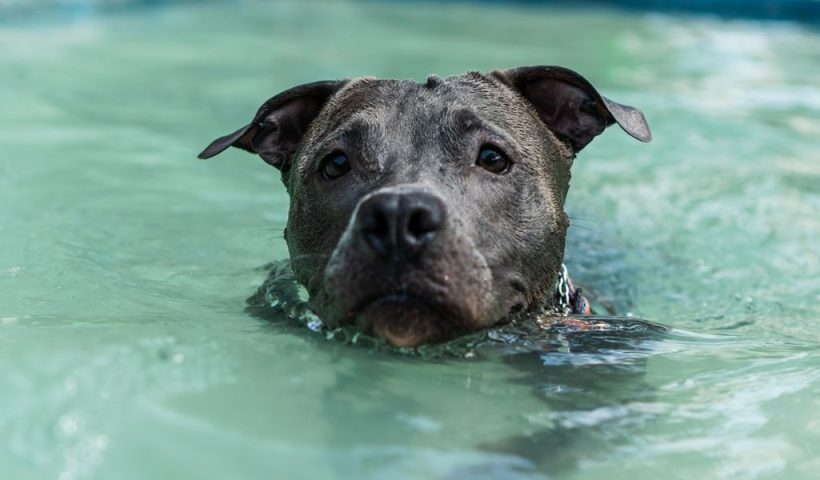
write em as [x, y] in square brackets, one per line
[126, 350]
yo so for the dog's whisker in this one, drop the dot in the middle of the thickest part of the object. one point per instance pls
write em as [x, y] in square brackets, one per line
[584, 219]
[587, 228]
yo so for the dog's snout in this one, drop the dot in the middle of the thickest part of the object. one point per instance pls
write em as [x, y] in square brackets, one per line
[400, 224]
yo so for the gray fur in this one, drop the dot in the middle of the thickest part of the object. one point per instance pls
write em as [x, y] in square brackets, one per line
[500, 243]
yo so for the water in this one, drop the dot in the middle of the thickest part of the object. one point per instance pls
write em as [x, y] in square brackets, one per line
[125, 347]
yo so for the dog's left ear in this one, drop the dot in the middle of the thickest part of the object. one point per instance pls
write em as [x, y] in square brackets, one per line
[570, 105]
[280, 123]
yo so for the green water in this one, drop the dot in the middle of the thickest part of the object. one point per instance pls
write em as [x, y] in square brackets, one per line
[125, 350]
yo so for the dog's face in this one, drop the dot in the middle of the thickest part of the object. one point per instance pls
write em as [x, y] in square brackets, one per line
[422, 211]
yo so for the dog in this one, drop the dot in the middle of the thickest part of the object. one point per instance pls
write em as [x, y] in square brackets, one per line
[423, 211]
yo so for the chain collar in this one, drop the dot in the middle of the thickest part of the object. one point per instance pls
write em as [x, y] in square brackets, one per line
[568, 299]
[562, 290]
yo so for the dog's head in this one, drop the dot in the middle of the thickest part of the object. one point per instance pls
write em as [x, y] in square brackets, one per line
[423, 210]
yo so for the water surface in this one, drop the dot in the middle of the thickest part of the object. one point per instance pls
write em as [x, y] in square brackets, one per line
[125, 347]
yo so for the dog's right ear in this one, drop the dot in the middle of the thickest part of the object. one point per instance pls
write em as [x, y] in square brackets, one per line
[279, 124]
[570, 106]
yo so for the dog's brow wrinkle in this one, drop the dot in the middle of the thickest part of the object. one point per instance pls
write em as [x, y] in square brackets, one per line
[359, 131]
[359, 124]
[467, 119]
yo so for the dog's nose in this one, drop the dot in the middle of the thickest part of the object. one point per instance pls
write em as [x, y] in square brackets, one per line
[400, 224]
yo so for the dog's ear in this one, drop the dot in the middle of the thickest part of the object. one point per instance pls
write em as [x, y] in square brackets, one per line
[570, 105]
[279, 124]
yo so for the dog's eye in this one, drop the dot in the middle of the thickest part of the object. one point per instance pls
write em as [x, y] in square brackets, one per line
[492, 160]
[335, 165]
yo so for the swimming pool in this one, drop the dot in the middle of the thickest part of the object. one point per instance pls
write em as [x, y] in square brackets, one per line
[125, 349]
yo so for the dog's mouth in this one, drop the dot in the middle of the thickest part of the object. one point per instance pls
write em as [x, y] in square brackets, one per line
[407, 319]
[430, 294]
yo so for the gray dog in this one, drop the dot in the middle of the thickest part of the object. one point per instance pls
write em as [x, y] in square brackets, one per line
[421, 211]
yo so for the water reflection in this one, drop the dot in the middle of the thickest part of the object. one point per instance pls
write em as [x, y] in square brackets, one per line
[587, 375]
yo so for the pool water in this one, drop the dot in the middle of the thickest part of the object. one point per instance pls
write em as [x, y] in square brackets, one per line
[125, 348]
